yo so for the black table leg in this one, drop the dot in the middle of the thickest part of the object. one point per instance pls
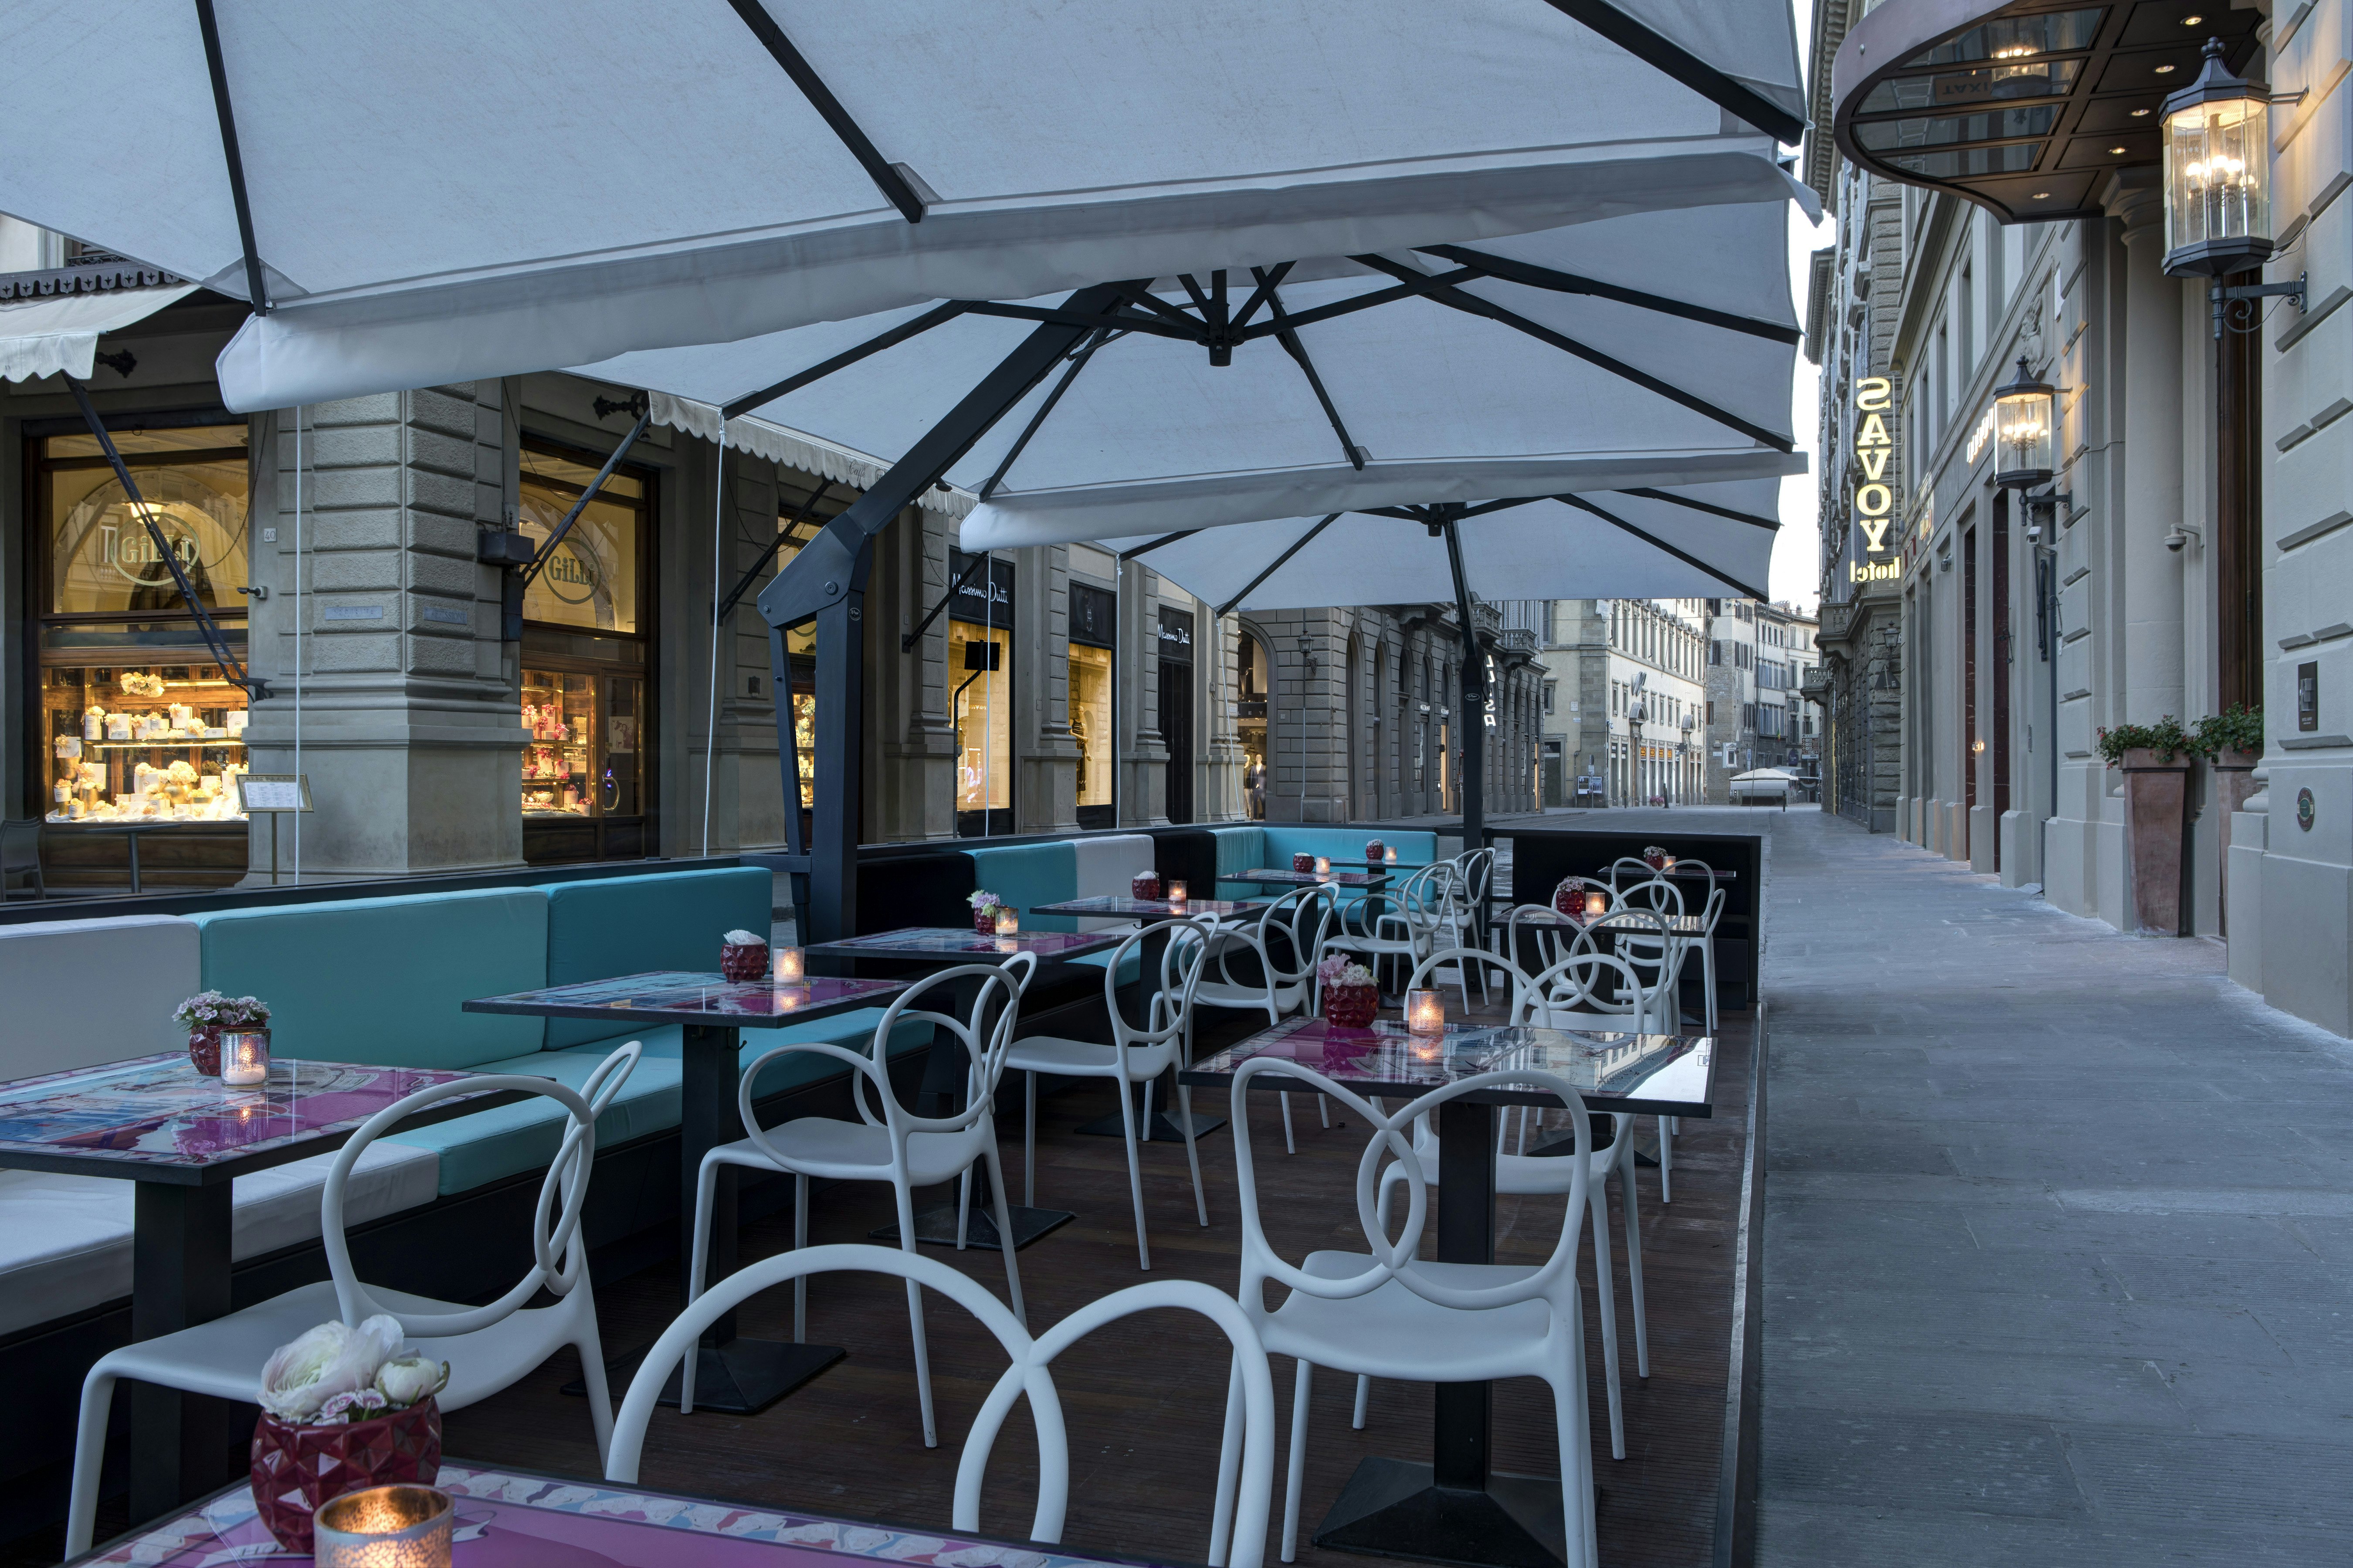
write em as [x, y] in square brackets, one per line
[1456, 1509]
[179, 1277]
[946, 1068]
[1161, 1126]
[734, 1376]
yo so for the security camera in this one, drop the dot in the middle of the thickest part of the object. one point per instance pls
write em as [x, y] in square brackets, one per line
[2181, 533]
[2034, 533]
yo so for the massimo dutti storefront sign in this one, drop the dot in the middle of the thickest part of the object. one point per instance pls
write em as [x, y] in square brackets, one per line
[1874, 497]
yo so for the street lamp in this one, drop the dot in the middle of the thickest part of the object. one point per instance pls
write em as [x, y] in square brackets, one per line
[2024, 422]
[1634, 716]
[2218, 208]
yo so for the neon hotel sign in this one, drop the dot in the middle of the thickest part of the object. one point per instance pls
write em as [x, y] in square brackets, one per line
[1874, 500]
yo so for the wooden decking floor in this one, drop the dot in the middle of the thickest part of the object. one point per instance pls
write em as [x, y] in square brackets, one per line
[1144, 1398]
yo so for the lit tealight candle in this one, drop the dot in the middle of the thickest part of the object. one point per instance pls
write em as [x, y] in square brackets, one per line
[1177, 895]
[789, 965]
[1008, 922]
[1389, 856]
[1322, 865]
[1596, 904]
[1667, 863]
[1425, 1012]
[384, 1526]
[245, 1058]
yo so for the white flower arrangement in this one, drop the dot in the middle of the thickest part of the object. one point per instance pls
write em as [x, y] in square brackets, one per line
[335, 1374]
[740, 938]
[1338, 972]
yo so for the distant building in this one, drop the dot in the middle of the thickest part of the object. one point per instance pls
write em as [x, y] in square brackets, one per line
[1624, 701]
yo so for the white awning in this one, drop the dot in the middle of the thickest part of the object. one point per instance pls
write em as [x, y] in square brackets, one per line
[60, 331]
[1653, 349]
[1683, 542]
[454, 189]
[794, 448]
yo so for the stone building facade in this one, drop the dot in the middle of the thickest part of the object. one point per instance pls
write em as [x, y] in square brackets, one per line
[1629, 699]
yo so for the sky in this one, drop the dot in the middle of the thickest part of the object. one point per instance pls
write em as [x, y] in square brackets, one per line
[1797, 549]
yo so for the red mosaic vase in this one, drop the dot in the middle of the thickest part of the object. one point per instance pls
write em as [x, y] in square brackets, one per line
[1654, 858]
[1374, 849]
[1351, 1006]
[203, 1050]
[742, 962]
[1145, 885]
[984, 920]
[298, 1468]
[1302, 862]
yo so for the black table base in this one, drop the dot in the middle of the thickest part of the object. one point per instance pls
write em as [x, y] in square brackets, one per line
[936, 1226]
[1393, 1509]
[742, 1377]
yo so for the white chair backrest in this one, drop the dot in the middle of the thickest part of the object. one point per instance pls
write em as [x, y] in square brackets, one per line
[1474, 874]
[1542, 936]
[1657, 894]
[1181, 964]
[1588, 980]
[984, 1048]
[1712, 911]
[559, 1255]
[1287, 936]
[1421, 900]
[1250, 1396]
[1629, 868]
[1399, 1259]
[1501, 967]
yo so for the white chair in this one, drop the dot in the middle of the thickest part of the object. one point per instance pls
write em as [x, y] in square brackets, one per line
[1628, 869]
[1296, 923]
[1385, 1313]
[1135, 1056]
[1246, 1456]
[1467, 893]
[488, 1348]
[1404, 933]
[892, 1145]
[1521, 1174]
[1711, 910]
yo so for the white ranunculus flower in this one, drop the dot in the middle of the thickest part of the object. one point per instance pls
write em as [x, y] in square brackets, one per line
[326, 1360]
[744, 939]
[408, 1379]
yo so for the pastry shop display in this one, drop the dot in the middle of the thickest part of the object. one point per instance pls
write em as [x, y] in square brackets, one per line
[156, 743]
[559, 717]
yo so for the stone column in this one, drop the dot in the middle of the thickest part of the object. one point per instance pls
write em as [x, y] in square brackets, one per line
[410, 731]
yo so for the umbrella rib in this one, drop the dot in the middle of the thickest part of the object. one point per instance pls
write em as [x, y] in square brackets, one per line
[1022, 441]
[1471, 304]
[1275, 565]
[1267, 283]
[879, 169]
[1298, 351]
[1694, 562]
[1511, 271]
[914, 327]
[1484, 507]
[1127, 556]
[1147, 300]
[1713, 510]
[1715, 86]
[256, 284]
[1190, 333]
[1366, 302]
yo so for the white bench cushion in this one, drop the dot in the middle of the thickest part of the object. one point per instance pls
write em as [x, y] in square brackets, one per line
[1110, 865]
[85, 991]
[65, 1241]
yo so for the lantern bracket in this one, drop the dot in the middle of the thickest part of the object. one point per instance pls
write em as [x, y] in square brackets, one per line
[2237, 304]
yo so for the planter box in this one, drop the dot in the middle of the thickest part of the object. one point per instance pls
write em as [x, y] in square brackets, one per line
[2157, 795]
[2233, 784]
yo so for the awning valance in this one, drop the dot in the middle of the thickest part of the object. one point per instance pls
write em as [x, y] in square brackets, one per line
[60, 332]
[794, 448]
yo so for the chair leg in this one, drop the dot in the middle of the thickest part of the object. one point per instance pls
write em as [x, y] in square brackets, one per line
[1290, 1144]
[89, 1458]
[1134, 1172]
[1229, 1470]
[1298, 1468]
[1666, 1163]
[706, 1181]
[1633, 1216]
[1598, 1203]
[1029, 1140]
[915, 1316]
[1324, 1109]
[1005, 1231]
[964, 1208]
[592, 1367]
[1192, 1151]
[800, 1240]
[1573, 1425]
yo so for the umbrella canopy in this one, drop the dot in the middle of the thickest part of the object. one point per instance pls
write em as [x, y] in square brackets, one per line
[1681, 542]
[1651, 349]
[453, 189]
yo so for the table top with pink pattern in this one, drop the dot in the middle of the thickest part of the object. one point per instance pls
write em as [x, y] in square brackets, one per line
[965, 946]
[156, 1118]
[510, 1518]
[685, 997]
[1152, 908]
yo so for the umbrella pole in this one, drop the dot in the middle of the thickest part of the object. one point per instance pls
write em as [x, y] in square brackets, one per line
[1474, 719]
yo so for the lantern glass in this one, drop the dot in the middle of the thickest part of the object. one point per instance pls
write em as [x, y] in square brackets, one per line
[2218, 210]
[2025, 417]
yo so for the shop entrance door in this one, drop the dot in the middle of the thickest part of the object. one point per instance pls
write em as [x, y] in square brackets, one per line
[1176, 710]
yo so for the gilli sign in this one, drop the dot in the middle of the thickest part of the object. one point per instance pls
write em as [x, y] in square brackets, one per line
[1874, 497]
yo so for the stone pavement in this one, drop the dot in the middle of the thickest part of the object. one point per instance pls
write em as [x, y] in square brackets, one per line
[2059, 1235]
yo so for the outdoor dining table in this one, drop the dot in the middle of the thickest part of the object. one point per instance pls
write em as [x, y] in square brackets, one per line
[737, 1376]
[184, 1138]
[1272, 877]
[946, 1070]
[1458, 1509]
[508, 1518]
[1160, 1124]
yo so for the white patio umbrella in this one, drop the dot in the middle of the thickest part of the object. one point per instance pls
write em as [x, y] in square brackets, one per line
[454, 189]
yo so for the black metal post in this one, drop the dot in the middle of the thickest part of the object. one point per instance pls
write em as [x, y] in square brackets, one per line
[1474, 701]
[827, 582]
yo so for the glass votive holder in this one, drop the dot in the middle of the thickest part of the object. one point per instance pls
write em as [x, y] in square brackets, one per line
[1666, 862]
[790, 969]
[245, 1058]
[1596, 904]
[384, 1526]
[1389, 856]
[1425, 1012]
[1322, 865]
[1008, 922]
[1175, 895]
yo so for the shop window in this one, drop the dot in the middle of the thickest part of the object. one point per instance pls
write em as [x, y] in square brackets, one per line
[586, 757]
[1092, 619]
[136, 721]
[592, 579]
[980, 619]
[1251, 723]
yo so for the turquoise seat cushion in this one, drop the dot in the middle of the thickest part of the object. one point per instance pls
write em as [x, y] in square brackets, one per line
[385, 981]
[491, 1145]
[631, 925]
[1024, 875]
[1128, 965]
[1238, 849]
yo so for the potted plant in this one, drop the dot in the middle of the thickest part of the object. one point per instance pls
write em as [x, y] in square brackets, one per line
[984, 906]
[2155, 761]
[1351, 997]
[209, 1014]
[2231, 741]
[341, 1409]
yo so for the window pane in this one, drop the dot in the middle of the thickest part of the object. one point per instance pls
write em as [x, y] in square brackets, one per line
[559, 710]
[101, 558]
[154, 741]
[2015, 159]
[984, 721]
[1936, 130]
[1090, 721]
[592, 578]
[1956, 89]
